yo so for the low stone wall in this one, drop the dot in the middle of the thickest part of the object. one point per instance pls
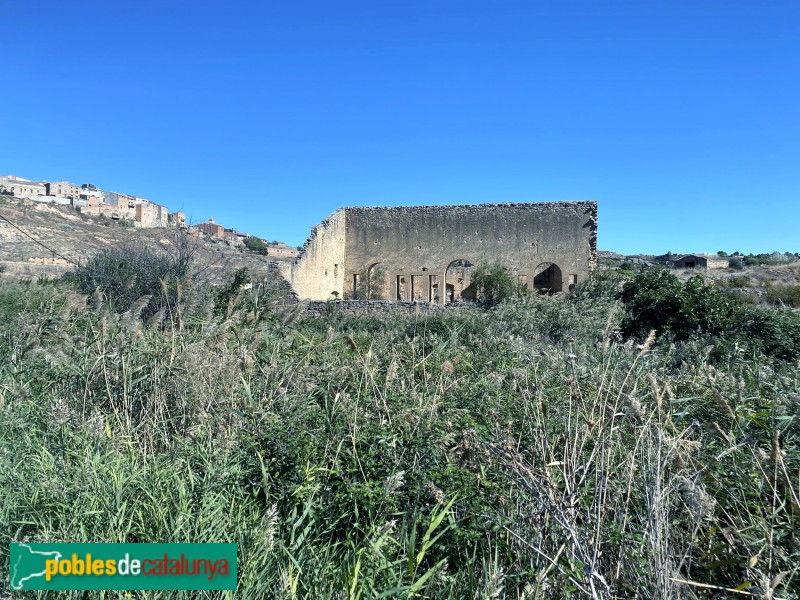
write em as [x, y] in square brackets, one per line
[320, 308]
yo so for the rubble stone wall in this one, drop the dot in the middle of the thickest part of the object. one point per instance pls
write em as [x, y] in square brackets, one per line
[423, 253]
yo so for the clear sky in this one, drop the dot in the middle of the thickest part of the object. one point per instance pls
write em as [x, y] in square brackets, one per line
[681, 118]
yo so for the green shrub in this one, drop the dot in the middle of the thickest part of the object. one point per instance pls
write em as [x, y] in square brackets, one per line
[256, 245]
[788, 295]
[735, 264]
[371, 284]
[493, 284]
[136, 274]
[656, 300]
[741, 281]
[627, 265]
[600, 284]
[226, 294]
[652, 300]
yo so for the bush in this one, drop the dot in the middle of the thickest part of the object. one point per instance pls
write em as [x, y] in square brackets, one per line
[741, 281]
[627, 265]
[774, 332]
[226, 294]
[600, 284]
[656, 300]
[788, 295]
[652, 300]
[493, 284]
[256, 245]
[735, 264]
[132, 273]
[371, 284]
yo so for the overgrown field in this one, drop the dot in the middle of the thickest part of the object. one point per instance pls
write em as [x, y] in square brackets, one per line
[526, 451]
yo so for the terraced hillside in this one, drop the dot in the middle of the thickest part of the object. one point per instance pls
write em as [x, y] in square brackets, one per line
[46, 240]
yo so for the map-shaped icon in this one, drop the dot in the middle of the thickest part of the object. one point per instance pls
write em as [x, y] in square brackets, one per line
[27, 563]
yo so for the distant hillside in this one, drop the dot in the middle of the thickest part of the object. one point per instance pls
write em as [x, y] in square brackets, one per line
[764, 278]
[70, 236]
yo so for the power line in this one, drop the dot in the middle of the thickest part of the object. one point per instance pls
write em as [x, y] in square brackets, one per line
[43, 245]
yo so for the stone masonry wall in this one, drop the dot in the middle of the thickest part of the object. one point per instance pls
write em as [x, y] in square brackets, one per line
[318, 272]
[417, 246]
[320, 308]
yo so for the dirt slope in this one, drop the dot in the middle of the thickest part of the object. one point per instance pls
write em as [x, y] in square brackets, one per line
[27, 227]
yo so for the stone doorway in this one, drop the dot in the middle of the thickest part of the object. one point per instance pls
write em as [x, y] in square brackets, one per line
[547, 278]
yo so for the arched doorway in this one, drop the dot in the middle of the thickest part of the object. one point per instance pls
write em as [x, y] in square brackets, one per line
[457, 279]
[371, 283]
[547, 278]
[376, 282]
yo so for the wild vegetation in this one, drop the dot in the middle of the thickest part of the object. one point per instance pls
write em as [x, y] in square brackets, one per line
[371, 284]
[551, 446]
[493, 284]
[256, 245]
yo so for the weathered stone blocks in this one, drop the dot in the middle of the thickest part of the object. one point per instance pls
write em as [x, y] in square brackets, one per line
[426, 253]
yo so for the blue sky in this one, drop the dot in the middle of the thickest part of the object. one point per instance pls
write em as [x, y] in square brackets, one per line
[681, 118]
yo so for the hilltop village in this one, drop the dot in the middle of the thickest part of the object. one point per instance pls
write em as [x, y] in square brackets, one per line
[127, 209]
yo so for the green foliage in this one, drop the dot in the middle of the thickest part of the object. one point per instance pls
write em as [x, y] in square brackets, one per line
[735, 264]
[526, 451]
[656, 300]
[741, 281]
[788, 295]
[652, 300]
[256, 245]
[372, 283]
[493, 284]
[136, 276]
[600, 285]
[227, 294]
[776, 333]
[627, 267]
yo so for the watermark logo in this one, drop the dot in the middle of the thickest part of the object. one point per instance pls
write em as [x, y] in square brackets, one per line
[122, 566]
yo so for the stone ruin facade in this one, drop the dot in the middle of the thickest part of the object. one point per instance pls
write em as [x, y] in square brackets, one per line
[427, 253]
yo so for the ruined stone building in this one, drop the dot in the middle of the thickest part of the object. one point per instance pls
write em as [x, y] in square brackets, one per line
[427, 253]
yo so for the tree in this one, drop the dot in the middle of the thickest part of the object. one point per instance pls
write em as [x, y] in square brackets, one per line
[256, 245]
[371, 284]
[735, 264]
[493, 284]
